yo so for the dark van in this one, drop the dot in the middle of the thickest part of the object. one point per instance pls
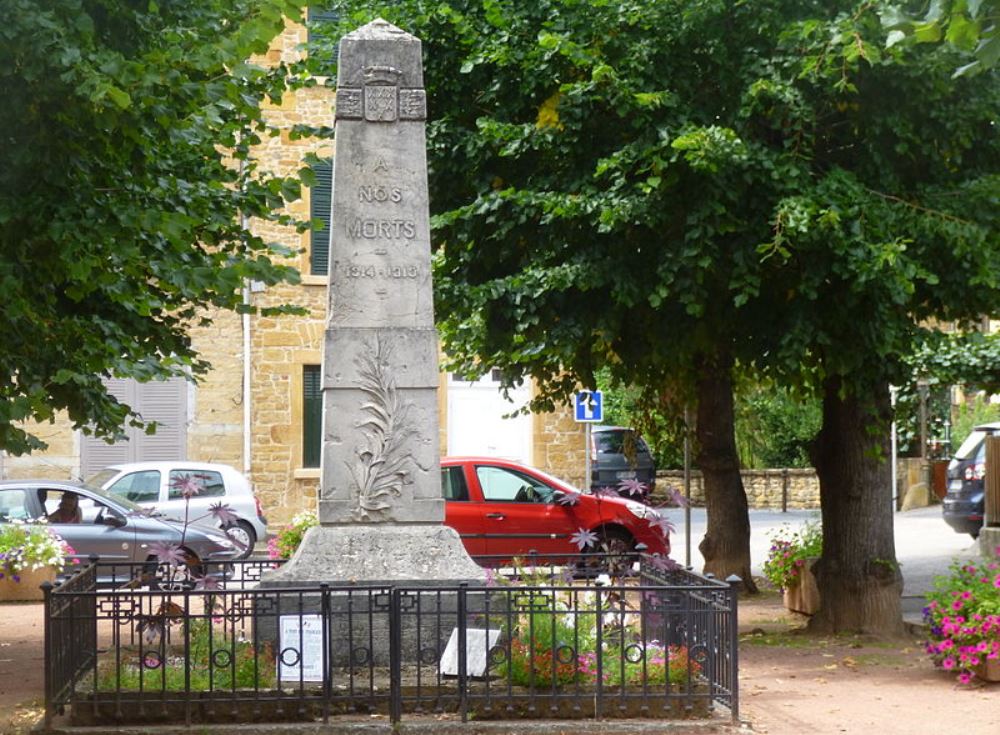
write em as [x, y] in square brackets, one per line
[964, 500]
[618, 453]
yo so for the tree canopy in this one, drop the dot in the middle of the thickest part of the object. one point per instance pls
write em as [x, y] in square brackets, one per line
[671, 189]
[128, 180]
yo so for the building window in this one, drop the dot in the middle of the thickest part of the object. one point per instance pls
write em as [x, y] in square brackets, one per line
[162, 401]
[316, 17]
[312, 415]
[319, 209]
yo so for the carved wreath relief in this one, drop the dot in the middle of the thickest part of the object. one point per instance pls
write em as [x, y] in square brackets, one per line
[381, 99]
[384, 461]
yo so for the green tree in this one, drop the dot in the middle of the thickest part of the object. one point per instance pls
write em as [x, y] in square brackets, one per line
[894, 229]
[670, 190]
[127, 180]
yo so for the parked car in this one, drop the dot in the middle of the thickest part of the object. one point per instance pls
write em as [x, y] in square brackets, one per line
[618, 453]
[159, 485]
[964, 500]
[114, 529]
[503, 509]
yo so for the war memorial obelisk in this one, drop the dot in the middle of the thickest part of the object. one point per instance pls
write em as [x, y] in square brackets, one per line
[380, 507]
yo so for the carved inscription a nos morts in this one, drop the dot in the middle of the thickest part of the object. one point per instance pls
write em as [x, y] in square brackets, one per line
[380, 364]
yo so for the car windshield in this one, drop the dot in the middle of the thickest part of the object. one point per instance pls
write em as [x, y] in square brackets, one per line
[968, 448]
[124, 503]
[622, 441]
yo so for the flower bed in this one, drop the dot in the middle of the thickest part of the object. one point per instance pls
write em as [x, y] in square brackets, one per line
[963, 613]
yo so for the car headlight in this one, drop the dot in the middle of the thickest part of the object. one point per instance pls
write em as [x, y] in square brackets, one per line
[641, 511]
[224, 542]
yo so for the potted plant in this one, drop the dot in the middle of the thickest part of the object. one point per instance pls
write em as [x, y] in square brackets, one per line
[789, 566]
[963, 616]
[30, 554]
[284, 544]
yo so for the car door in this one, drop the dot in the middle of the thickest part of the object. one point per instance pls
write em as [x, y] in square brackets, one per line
[521, 513]
[94, 534]
[463, 512]
[205, 488]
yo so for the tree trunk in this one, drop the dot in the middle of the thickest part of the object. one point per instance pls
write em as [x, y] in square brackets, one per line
[726, 546]
[860, 584]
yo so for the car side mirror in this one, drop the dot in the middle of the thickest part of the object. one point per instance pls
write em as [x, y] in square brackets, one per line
[111, 518]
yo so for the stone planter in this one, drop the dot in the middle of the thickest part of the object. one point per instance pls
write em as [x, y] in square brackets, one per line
[27, 590]
[803, 597]
[988, 670]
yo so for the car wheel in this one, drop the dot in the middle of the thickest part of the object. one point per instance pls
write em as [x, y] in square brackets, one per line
[243, 535]
[613, 554]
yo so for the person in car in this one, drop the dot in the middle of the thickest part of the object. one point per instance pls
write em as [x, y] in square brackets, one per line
[68, 510]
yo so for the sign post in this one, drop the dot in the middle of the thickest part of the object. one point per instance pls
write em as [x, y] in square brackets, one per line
[588, 408]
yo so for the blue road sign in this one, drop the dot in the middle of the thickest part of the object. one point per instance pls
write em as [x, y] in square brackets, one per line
[589, 406]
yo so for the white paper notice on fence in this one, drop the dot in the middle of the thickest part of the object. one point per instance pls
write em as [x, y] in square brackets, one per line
[300, 648]
[478, 644]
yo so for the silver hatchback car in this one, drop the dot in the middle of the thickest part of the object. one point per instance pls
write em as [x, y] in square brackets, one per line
[114, 529]
[161, 485]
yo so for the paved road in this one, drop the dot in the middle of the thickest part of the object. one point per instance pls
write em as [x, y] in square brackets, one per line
[925, 545]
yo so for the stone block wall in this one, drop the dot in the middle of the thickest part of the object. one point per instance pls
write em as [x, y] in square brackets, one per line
[799, 488]
[765, 489]
[215, 405]
[558, 446]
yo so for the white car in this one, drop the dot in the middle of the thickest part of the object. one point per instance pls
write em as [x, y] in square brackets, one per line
[161, 485]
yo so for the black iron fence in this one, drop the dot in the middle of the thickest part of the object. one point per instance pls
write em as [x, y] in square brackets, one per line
[534, 643]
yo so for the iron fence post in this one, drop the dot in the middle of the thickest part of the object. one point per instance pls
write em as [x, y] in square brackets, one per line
[395, 658]
[49, 706]
[463, 589]
[735, 583]
[187, 657]
[324, 591]
[598, 648]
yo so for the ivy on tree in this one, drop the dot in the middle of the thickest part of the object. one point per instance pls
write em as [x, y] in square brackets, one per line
[127, 177]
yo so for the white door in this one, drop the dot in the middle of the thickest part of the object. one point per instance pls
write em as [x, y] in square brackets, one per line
[476, 423]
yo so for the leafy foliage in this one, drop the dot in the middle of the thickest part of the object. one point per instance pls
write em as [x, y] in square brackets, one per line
[774, 428]
[969, 416]
[128, 180]
[770, 180]
[969, 25]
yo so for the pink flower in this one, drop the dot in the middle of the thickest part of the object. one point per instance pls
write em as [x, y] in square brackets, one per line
[964, 677]
[948, 663]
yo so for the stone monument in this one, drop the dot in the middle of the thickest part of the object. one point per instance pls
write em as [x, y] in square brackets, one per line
[380, 507]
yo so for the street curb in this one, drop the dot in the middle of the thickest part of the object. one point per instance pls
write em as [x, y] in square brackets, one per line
[425, 726]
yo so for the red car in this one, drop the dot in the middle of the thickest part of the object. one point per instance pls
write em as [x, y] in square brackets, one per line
[505, 509]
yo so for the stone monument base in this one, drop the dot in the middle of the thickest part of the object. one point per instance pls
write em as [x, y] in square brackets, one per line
[377, 554]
